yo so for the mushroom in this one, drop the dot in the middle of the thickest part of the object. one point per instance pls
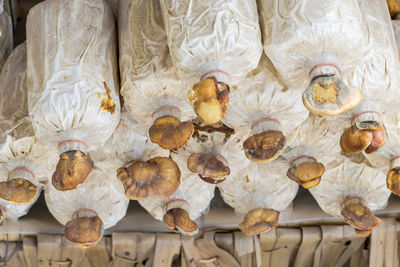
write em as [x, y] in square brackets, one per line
[18, 190]
[264, 147]
[84, 231]
[210, 99]
[258, 221]
[369, 138]
[393, 181]
[394, 7]
[72, 169]
[178, 220]
[169, 133]
[209, 168]
[307, 174]
[156, 178]
[359, 216]
[327, 95]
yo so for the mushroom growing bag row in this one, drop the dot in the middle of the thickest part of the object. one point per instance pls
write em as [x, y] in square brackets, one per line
[72, 81]
[25, 164]
[314, 45]
[216, 41]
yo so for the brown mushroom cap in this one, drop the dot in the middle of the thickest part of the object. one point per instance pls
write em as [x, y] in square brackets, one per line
[156, 178]
[393, 181]
[327, 95]
[178, 220]
[307, 174]
[18, 190]
[265, 146]
[210, 99]
[169, 133]
[357, 215]
[354, 140]
[258, 221]
[394, 7]
[84, 230]
[72, 169]
[208, 167]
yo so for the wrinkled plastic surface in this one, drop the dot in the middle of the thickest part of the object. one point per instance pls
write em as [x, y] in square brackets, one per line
[7, 13]
[208, 35]
[101, 192]
[148, 78]
[348, 178]
[72, 71]
[18, 145]
[378, 75]
[316, 137]
[260, 186]
[262, 95]
[299, 34]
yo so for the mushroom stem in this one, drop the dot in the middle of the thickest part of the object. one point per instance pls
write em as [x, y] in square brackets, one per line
[367, 120]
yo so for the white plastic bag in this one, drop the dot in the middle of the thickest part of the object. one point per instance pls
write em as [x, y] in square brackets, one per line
[149, 83]
[316, 44]
[72, 73]
[72, 79]
[350, 179]
[21, 156]
[100, 195]
[263, 104]
[8, 19]
[260, 186]
[213, 38]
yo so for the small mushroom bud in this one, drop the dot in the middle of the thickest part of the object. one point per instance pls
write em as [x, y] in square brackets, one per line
[178, 220]
[258, 221]
[394, 7]
[265, 146]
[393, 181]
[307, 174]
[18, 190]
[156, 178]
[72, 169]
[327, 95]
[357, 215]
[84, 231]
[210, 99]
[355, 140]
[209, 168]
[169, 133]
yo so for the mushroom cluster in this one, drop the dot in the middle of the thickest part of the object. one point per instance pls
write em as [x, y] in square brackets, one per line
[199, 107]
